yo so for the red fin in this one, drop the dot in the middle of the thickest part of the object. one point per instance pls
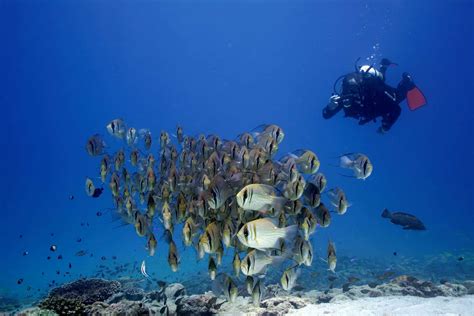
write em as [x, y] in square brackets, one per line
[415, 99]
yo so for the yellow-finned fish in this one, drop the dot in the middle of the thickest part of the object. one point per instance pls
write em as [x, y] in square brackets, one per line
[339, 200]
[173, 259]
[332, 259]
[359, 163]
[95, 145]
[211, 238]
[288, 279]
[212, 267]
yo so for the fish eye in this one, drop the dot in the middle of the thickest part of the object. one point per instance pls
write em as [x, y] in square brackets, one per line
[246, 232]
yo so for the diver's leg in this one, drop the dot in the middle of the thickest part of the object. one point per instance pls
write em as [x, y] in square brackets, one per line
[390, 116]
[404, 86]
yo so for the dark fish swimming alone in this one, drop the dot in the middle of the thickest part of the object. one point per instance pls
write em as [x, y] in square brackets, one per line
[97, 192]
[408, 221]
[81, 253]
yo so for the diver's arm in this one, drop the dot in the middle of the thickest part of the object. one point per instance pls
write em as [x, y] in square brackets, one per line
[333, 107]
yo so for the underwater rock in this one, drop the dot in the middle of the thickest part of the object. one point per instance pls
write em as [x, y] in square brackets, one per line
[469, 285]
[62, 305]
[87, 291]
[35, 311]
[134, 294]
[121, 308]
[204, 304]
[281, 305]
[154, 296]
[175, 290]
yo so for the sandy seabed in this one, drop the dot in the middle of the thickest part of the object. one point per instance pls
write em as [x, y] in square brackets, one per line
[393, 305]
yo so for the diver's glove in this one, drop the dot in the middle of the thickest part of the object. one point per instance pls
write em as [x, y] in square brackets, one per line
[333, 102]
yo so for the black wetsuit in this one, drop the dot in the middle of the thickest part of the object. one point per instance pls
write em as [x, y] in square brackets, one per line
[366, 97]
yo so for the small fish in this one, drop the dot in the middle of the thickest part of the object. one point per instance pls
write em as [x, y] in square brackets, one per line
[260, 197]
[141, 224]
[331, 256]
[257, 293]
[103, 258]
[408, 221]
[306, 161]
[20, 281]
[53, 248]
[95, 145]
[98, 214]
[143, 270]
[25, 253]
[236, 264]
[131, 136]
[117, 128]
[114, 184]
[60, 257]
[151, 244]
[303, 251]
[81, 253]
[179, 134]
[212, 268]
[323, 216]
[461, 258]
[249, 284]
[147, 139]
[164, 139]
[394, 253]
[312, 195]
[272, 130]
[230, 289]
[134, 157]
[353, 279]
[89, 186]
[189, 229]
[256, 261]
[294, 190]
[71, 197]
[339, 200]
[220, 192]
[173, 259]
[288, 279]
[211, 238]
[264, 233]
[319, 180]
[359, 163]
[104, 167]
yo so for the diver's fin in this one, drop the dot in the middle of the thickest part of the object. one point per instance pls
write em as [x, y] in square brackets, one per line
[415, 98]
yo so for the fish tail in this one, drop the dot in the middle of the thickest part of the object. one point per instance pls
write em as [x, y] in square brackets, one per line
[290, 232]
[346, 162]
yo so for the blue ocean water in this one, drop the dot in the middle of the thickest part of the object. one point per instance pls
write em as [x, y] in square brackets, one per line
[70, 67]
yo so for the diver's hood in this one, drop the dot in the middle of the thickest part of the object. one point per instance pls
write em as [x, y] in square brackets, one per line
[370, 70]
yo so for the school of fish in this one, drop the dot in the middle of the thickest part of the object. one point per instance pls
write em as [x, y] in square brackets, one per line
[222, 195]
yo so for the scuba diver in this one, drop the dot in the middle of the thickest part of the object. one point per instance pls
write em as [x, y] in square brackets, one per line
[365, 96]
